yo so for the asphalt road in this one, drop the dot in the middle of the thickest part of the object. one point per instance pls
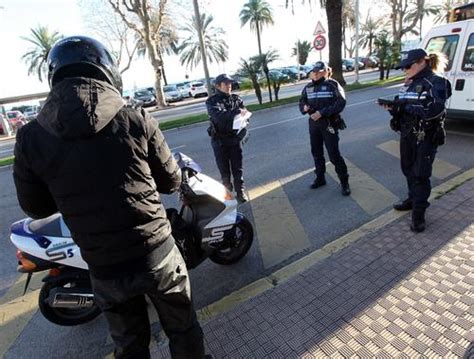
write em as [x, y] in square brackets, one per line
[289, 218]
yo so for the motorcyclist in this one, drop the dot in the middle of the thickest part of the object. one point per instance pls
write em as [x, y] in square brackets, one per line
[418, 114]
[101, 164]
[323, 99]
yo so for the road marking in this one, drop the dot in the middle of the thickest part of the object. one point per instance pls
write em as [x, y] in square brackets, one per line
[17, 310]
[460, 133]
[279, 231]
[175, 148]
[441, 169]
[369, 194]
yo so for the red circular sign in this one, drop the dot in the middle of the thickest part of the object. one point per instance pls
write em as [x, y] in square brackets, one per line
[319, 42]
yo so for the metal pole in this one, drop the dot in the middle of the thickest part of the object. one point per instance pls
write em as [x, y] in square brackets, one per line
[356, 62]
[197, 15]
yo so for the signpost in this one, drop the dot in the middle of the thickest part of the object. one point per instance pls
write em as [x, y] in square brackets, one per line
[319, 42]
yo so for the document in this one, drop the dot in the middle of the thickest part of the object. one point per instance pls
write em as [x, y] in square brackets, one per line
[241, 121]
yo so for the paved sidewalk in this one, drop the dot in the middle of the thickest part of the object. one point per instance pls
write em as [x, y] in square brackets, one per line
[391, 294]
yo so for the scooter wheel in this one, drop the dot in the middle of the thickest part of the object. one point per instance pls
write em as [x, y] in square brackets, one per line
[64, 316]
[241, 243]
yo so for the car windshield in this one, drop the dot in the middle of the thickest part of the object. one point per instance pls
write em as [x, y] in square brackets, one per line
[142, 93]
[169, 88]
[11, 115]
[197, 84]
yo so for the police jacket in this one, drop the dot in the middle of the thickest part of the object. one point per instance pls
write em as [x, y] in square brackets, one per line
[222, 108]
[101, 164]
[422, 103]
[325, 96]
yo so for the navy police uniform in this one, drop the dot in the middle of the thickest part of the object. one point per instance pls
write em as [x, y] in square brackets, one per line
[418, 114]
[227, 142]
[326, 96]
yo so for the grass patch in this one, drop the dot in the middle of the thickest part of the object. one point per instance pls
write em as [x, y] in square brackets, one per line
[6, 161]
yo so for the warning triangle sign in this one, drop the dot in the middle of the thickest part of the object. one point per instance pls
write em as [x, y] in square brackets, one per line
[319, 29]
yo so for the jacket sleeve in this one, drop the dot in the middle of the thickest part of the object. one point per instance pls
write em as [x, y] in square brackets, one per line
[435, 103]
[338, 104]
[164, 168]
[222, 119]
[33, 194]
[303, 100]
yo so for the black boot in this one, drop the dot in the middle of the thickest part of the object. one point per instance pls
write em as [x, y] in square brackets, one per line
[318, 182]
[405, 205]
[345, 188]
[242, 197]
[418, 221]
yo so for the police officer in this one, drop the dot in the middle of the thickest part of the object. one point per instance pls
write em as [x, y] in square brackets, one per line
[418, 114]
[101, 164]
[226, 142]
[323, 99]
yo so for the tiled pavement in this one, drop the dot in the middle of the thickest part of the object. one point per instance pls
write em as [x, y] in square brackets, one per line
[391, 294]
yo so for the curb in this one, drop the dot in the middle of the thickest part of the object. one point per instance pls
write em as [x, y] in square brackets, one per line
[291, 270]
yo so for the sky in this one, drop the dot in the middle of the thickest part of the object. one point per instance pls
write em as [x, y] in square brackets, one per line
[18, 17]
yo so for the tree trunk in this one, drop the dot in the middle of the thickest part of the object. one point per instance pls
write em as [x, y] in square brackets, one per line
[164, 73]
[268, 84]
[382, 71]
[276, 90]
[202, 47]
[258, 39]
[258, 91]
[334, 15]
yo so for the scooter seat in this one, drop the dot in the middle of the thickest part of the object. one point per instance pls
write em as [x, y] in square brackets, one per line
[52, 226]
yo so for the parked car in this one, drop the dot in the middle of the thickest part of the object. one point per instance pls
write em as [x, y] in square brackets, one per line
[197, 88]
[348, 64]
[301, 70]
[292, 73]
[278, 75]
[172, 93]
[16, 119]
[183, 89]
[152, 90]
[145, 97]
[31, 113]
[359, 62]
[2, 131]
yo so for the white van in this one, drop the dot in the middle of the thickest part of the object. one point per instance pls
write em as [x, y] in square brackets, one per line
[456, 41]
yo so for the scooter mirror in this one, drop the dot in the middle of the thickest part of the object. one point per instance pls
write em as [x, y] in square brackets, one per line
[186, 162]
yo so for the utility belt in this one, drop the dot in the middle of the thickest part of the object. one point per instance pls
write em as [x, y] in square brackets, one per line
[431, 130]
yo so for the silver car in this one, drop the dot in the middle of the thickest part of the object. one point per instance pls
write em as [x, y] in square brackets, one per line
[172, 93]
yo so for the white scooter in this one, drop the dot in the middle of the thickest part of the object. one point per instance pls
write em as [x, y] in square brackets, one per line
[206, 225]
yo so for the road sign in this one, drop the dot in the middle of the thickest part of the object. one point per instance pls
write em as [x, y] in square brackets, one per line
[319, 42]
[319, 29]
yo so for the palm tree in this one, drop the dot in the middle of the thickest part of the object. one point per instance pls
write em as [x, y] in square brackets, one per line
[348, 21]
[251, 69]
[216, 47]
[369, 30]
[426, 10]
[258, 13]
[266, 59]
[303, 48]
[43, 40]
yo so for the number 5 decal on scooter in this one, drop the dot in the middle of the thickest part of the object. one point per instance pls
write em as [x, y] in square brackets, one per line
[217, 234]
[58, 253]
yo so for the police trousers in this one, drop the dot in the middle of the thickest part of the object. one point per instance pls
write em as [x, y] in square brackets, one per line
[229, 159]
[417, 165]
[123, 303]
[319, 135]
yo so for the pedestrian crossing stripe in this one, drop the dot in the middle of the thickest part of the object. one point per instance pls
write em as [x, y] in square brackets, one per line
[369, 194]
[441, 169]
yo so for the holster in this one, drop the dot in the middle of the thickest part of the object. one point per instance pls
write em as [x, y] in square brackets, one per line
[337, 122]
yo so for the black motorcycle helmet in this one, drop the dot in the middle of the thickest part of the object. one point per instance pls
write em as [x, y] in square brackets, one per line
[82, 56]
